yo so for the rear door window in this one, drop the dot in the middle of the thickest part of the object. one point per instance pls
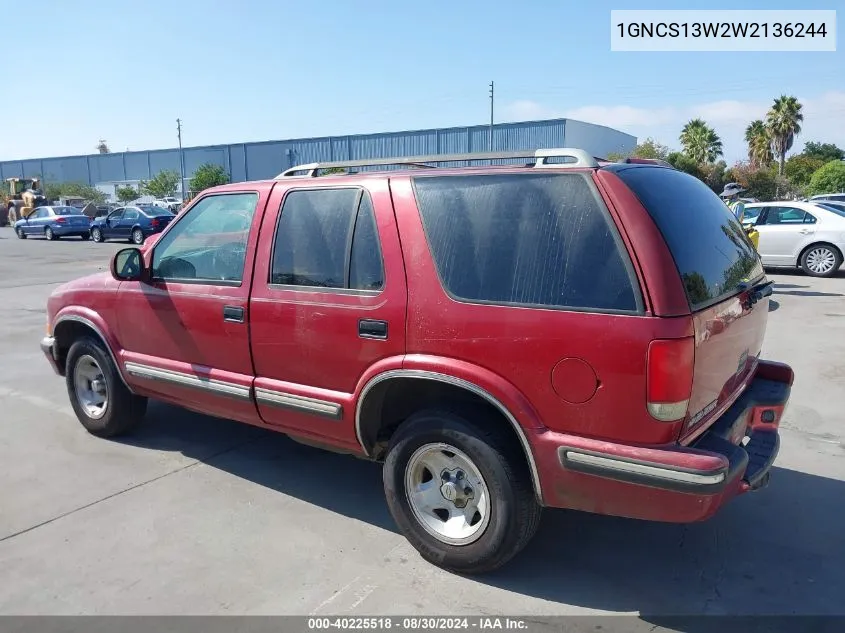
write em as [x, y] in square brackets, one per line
[710, 248]
[327, 238]
[541, 240]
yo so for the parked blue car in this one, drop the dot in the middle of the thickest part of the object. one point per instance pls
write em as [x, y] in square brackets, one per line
[53, 223]
[135, 223]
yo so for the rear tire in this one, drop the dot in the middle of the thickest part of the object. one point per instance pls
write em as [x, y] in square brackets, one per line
[821, 260]
[102, 403]
[48, 233]
[21, 234]
[486, 465]
[13, 216]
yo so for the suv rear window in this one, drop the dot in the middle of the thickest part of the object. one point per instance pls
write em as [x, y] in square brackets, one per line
[525, 239]
[707, 242]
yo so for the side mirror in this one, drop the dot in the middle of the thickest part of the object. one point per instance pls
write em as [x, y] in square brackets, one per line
[128, 265]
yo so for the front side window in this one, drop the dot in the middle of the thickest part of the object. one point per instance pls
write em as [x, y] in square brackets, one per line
[208, 244]
[327, 238]
[525, 239]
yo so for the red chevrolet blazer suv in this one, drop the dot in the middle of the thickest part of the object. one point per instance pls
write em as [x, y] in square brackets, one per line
[564, 332]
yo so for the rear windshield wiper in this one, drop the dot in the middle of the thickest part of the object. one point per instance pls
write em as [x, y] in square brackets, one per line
[757, 291]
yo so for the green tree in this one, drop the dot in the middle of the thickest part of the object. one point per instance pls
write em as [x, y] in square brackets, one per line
[799, 169]
[649, 148]
[783, 122]
[126, 194]
[700, 142]
[713, 175]
[759, 144]
[682, 162]
[55, 190]
[162, 184]
[829, 178]
[762, 183]
[823, 151]
[208, 175]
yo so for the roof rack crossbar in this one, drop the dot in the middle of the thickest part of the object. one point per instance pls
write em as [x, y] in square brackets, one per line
[541, 157]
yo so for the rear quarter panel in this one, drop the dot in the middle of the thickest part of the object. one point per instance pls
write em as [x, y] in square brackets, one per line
[525, 347]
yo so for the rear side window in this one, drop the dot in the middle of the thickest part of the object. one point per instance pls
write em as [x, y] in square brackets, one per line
[525, 239]
[327, 238]
[707, 242]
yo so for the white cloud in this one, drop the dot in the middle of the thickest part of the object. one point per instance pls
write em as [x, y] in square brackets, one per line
[824, 119]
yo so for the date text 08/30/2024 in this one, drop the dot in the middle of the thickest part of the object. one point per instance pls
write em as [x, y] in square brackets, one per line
[416, 623]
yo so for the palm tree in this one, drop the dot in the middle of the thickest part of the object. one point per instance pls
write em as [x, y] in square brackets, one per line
[784, 122]
[700, 142]
[759, 144]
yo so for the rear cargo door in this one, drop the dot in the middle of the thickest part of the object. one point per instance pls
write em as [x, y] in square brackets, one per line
[720, 271]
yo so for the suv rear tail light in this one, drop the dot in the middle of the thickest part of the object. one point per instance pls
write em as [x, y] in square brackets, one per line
[669, 378]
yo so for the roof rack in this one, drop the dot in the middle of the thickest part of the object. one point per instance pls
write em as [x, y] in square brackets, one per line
[540, 158]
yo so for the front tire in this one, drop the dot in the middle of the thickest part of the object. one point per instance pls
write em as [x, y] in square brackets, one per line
[460, 492]
[97, 235]
[821, 260]
[21, 234]
[138, 237]
[102, 403]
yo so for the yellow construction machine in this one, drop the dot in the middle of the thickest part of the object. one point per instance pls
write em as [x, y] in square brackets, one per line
[20, 197]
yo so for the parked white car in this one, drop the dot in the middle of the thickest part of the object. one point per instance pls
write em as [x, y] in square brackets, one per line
[168, 202]
[810, 235]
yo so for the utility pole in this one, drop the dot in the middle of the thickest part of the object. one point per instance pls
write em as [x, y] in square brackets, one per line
[491, 116]
[181, 156]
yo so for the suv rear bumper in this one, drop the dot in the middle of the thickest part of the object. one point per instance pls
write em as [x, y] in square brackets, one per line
[672, 483]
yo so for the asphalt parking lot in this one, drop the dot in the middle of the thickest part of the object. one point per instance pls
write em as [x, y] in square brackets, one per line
[195, 515]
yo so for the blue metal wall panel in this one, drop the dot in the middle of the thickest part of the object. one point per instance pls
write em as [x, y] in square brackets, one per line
[340, 148]
[71, 169]
[253, 161]
[309, 151]
[597, 139]
[32, 168]
[164, 160]
[138, 166]
[107, 168]
[11, 169]
[238, 169]
[266, 160]
[196, 156]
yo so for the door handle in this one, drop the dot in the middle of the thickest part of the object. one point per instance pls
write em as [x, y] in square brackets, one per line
[805, 231]
[369, 328]
[233, 314]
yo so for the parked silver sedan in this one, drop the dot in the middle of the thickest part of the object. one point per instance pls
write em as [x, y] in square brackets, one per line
[809, 235]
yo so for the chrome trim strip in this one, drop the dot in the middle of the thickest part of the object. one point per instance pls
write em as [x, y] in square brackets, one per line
[658, 472]
[218, 387]
[302, 404]
[90, 324]
[457, 382]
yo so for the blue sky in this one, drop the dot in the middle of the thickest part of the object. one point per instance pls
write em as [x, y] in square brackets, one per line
[259, 70]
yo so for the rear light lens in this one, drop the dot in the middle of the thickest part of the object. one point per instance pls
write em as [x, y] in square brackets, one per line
[155, 223]
[671, 365]
[61, 220]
